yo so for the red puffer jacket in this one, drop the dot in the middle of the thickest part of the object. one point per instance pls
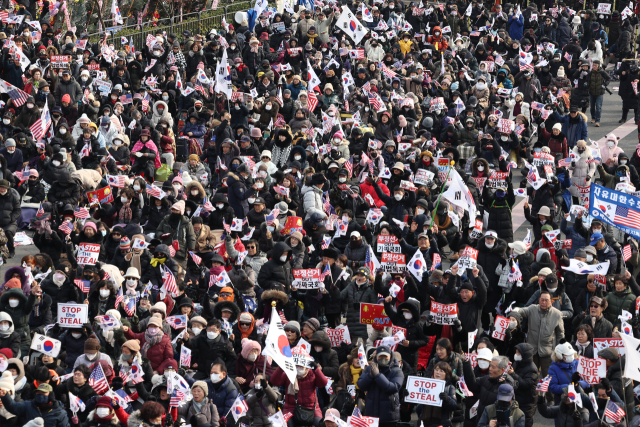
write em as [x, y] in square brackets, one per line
[306, 389]
[158, 353]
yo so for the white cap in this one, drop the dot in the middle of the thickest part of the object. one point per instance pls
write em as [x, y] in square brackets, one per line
[485, 354]
[355, 234]
[491, 233]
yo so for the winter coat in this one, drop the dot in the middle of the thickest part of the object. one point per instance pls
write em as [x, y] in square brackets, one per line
[560, 373]
[68, 292]
[208, 409]
[238, 193]
[546, 328]
[312, 200]
[183, 233]
[19, 315]
[562, 415]
[619, 301]
[71, 88]
[306, 390]
[581, 170]
[469, 312]
[266, 398]
[500, 212]
[485, 387]
[573, 131]
[351, 297]
[526, 375]
[356, 255]
[206, 351]
[165, 116]
[383, 391]
[274, 272]
[10, 210]
[563, 34]
[73, 346]
[27, 411]
[157, 353]
[515, 26]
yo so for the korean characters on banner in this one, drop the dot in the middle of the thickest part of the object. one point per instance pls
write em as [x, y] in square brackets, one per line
[602, 343]
[498, 180]
[388, 244]
[591, 370]
[393, 263]
[307, 278]
[444, 314]
[469, 259]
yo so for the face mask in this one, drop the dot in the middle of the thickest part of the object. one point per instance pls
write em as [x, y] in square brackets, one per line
[504, 138]
[297, 157]
[4, 328]
[408, 316]
[610, 144]
[512, 325]
[623, 162]
[103, 412]
[76, 335]
[270, 229]
[215, 378]
[484, 364]
[29, 105]
[55, 163]
[419, 211]
[342, 179]
[589, 257]
[13, 303]
[196, 331]
[41, 399]
[104, 293]
[212, 335]
[6, 121]
[123, 199]
[58, 279]
[568, 359]
[398, 197]
[300, 371]
[252, 357]
[283, 258]
[63, 131]
[268, 107]
[152, 330]
[91, 356]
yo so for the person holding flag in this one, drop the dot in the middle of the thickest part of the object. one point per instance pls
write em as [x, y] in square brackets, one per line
[407, 316]
[156, 345]
[360, 290]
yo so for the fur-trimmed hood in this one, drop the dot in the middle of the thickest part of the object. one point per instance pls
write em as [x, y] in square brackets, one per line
[235, 310]
[476, 162]
[196, 184]
[135, 420]
[114, 420]
[587, 154]
[275, 295]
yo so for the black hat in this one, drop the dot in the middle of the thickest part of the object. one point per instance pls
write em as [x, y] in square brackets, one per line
[331, 253]
[468, 286]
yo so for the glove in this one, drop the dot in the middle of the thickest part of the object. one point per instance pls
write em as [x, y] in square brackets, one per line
[583, 315]
[313, 365]
[443, 395]
[588, 178]
[576, 415]
[634, 322]
[397, 232]
[573, 164]
[457, 324]
[263, 383]
[541, 399]
[575, 377]
[374, 370]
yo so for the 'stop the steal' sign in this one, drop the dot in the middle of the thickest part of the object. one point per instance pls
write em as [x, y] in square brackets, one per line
[591, 370]
[72, 315]
[425, 391]
[88, 253]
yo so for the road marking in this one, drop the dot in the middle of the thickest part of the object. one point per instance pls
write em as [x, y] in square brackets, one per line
[621, 131]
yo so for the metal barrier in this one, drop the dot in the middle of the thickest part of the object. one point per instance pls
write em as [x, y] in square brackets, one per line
[191, 22]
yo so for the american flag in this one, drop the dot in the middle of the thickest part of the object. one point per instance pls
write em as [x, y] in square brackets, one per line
[348, 165]
[195, 258]
[626, 253]
[200, 89]
[82, 213]
[98, 381]
[40, 126]
[279, 98]
[40, 210]
[84, 285]
[66, 227]
[589, 161]
[280, 121]
[19, 97]
[130, 305]
[543, 385]
[226, 226]
[368, 262]
[627, 217]
[176, 397]
[614, 412]
[312, 101]
[326, 272]
[177, 322]
[207, 205]
[326, 240]
[172, 251]
[375, 101]
[366, 87]
[272, 215]
[437, 261]
[357, 420]
[145, 105]
[169, 281]
[126, 99]
[154, 191]
[564, 163]
[119, 297]
[116, 180]
[4, 15]
[124, 375]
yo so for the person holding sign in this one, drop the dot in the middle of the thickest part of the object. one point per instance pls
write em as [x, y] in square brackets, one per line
[433, 416]
[407, 316]
[382, 381]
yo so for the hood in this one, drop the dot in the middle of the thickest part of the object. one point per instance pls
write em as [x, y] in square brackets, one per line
[197, 185]
[164, 249]
[155, 108]
[413, 306]
[611, 137]
[320, 338]
[275, 295]
[235, 310]
[232, 178]
[219, 198]
[587, 153]
[5, 317]
[13, 293]
[476, 162]
[297, 149]
[437, 28]
[20, 366]
[278, 250]
[526, 350]
[20, 271]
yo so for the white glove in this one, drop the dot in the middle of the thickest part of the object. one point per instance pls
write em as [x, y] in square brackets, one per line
[138, 154]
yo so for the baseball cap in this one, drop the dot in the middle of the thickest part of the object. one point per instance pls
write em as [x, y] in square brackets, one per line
[505, 393]
[595, 238]
[491, 233]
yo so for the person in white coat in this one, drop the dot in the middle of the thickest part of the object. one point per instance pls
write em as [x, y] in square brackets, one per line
[161, 112]
[265, 159]
[582, 172]
[374, 51]
[518, 104]
[312, 196]
[593, 51]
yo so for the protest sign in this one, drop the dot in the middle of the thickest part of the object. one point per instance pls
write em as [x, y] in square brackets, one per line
[602, 343]
[393, 263]
[388, 244]
[301, 356]
[443, 314]
[476, 233]
[423, 177]
[506, 126]
[88, 253]
[104, 195]
[498, 180]
[604, 8]
[469, 258]
[443, 168]
[584, 193]
[501, 324]
[473, 359]
[373, 314]
[72, 315]
[591, 370]
[306, 278]
[541, 159]
[339, 335]
[425, 391]
[293, 224]
[60, 61]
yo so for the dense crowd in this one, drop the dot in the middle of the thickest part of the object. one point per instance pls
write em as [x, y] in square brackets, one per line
[305, 218]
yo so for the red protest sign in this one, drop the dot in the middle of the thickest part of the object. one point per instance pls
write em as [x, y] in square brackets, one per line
[293, 224]
[393, 263]
[443, 314]
[591, 370]
[373, 314]
[506, 126]
[104, 195]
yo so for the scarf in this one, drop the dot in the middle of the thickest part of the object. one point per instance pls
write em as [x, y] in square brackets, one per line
[355, 373]
[155, 261]
[150, 340]
[293, 388]
[150, 145]
[312, 38]
[125, 213]
[280, 155]
[198, 406]
[582, 347]
[135, 262]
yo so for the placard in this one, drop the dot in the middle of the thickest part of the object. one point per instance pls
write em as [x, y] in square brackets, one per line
[307, 278]
[102, 85]
[469, 258]
[480, 181]
[293, 224]
[602, 343]
[506, 126]
[393, 263]
[373, 314]
[604, 8]
[72, 315]
[541, 159]
[591, 370]
[93, 67]
[60, 61]
[388, 244]
[339, 335]
[278, 27]
[443, 168]
[500, 325]
[584, 193]
[104, 195]
[498, 180]
[443, 314]
[473, 359]
[425, 391]
[88, 253]
[423, 177]
[476, 233]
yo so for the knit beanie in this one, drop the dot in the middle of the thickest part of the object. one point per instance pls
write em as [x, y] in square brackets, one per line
[199, 319]
[202, 385]
[6, 382]
[132, 345]
[249, 345]
[312, 323]
[92, 344]
[179, 206]
[125, 243]
[13, 283]
[6, 352]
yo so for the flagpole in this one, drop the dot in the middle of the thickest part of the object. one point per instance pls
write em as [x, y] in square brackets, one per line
[441, 191]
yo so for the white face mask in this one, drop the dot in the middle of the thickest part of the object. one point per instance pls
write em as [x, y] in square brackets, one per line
[283, 258]
[342, 179]
[103, 412]
[419, 211]
[489, 246]
[220, 206]
[504, 138]
[267, 107]
[252, 357]
[13, 303]
[118, 143]
[481, 86]
[55, 163]
[6, 121]
[318, 348]
[196, 331]
[195, 192]
[398, 197]
[623, 162]
[58, 279]
[512, 325]
[252, 200]
[104, 293]
[136, 187]
[407, 316]
[4, 328]
[29, 105]
[610, 144]
[300, 371]
[297, 157]
[212, 335]
[215, 378]
[123, 199]
[542, 221]
[517, 357]
[63, 131]
[76, 335]
[91, 356]
[484, 364]
[259, 185]
[568, 359]
[132, 282]
[480, 168]
[589, 257]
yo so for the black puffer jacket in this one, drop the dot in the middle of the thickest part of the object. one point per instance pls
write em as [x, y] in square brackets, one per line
[10, 210]
[275, 272]
[526, 374]
[60, 294]
[66, 191]
[327, 358]
[414, 333]
[485, 387]
[351, 297]
[499, 212]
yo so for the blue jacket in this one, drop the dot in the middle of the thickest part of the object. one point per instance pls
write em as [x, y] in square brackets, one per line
[27, 411]
[295, 89]
[383, 391]
[238, 194]
[197, 129]
[515, 27]
[13, 74]
[222, 396]
[574, 132]
[14, 161]
[560, 373]
[577, 241]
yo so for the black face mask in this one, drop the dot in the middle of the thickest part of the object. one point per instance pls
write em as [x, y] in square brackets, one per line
[175, 216]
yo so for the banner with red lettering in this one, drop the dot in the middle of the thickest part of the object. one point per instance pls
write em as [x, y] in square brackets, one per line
[443, 314]
[425, 391]
[371, 314]
[591, 370]
[339, 335]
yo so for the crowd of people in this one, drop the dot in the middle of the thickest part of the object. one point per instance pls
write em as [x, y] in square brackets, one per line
[348, 171]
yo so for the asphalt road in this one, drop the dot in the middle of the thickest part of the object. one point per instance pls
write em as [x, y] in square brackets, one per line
[611, 113]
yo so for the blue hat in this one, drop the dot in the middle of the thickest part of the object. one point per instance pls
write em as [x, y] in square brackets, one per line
[595, 238]
[505, 393]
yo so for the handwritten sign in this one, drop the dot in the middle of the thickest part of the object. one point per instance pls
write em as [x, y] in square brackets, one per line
[72, 315]
[307, 278]
[443, 314]
[88, 253]
[506, 126]
[469, 258]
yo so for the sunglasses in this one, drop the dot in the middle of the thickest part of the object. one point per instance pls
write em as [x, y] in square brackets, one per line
[245, 324]
[590, 281]
[594, 306]
[251, 247]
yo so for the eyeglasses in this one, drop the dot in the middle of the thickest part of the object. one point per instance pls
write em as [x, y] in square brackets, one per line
[251, 247]
[245, 324]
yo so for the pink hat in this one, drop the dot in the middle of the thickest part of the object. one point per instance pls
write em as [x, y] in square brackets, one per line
[34, 172]
[90, 225]
[248, 345]
[177, 179]
[338, 134]
[179, 206]
[173, 68]
[201, 66]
